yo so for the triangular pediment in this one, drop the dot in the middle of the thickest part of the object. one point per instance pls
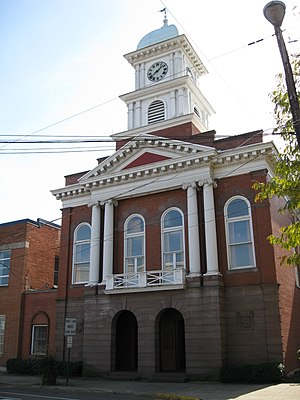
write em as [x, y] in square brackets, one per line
[146, 159]
[145, 151]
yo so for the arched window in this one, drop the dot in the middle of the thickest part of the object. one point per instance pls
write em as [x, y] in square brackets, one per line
[156, 111]
[172, 239]
[134, 244]
[81, 253]
[239, 235]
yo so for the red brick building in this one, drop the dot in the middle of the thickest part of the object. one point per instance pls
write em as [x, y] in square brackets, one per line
[29, 253]
[165, 262]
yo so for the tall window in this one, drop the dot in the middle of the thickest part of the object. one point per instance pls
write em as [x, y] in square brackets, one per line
[172, 239]
[39, 340]
[134, 237]
[239, 235]
[2, 330]
[4, 267]
[81, 254]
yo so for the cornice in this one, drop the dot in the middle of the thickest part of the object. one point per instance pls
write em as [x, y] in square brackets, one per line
[242, 156]
[156, 49]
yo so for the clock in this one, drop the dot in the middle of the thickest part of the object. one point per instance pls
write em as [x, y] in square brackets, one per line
[157, 71]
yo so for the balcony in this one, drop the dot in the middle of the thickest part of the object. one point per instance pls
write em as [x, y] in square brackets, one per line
[145, 281]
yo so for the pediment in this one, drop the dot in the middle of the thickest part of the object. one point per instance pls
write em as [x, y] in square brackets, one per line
[144, 152]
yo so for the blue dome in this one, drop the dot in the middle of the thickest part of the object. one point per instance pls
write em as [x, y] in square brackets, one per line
[159, 35]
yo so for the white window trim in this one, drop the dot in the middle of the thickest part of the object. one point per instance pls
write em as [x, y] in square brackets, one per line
[249, 218]
[163, 230]
[74, 250]
[32, 339]
[132, 235]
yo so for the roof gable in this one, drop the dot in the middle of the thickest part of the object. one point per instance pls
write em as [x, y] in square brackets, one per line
[142, 151]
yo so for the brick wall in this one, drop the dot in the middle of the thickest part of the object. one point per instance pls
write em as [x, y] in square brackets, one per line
[289, 294]
[32, 266]
[39, 303]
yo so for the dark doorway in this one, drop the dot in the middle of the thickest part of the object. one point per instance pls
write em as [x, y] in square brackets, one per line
[126, 342]
[172, 341]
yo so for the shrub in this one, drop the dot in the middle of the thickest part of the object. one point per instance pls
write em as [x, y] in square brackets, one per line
[259, 373]
[39, 366]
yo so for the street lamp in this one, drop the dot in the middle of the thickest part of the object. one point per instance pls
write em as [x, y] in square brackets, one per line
[274, 12]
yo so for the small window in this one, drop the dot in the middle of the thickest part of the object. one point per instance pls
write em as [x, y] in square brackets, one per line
[297, 276]
[134, 238]
[156, 112]
[81, 253]
[172, 239]
[4, 267]
[239, 235]
[56, 268]
[2, 331]
[39, 340]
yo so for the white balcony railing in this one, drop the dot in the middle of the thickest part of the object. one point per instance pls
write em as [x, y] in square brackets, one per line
[146, 279]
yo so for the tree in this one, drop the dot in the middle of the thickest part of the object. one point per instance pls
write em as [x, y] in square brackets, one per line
[286, 182]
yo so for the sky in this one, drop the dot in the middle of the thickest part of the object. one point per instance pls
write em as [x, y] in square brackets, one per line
[62, 71]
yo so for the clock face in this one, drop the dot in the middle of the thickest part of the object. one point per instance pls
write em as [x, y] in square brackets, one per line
[157, 71]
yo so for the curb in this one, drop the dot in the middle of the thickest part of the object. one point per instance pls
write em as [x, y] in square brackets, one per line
[175, 397]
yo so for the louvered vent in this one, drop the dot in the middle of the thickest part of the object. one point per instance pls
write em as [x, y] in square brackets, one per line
[156, 112]
[196, 112]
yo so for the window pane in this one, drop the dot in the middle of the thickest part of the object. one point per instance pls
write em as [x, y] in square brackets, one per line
[82, 272]
[172, 218]
[135, 246]
[82, 252]
[135, 225]
[237, 208]
[173, 241]
[241, 255]
[83, 233]
[239, 232]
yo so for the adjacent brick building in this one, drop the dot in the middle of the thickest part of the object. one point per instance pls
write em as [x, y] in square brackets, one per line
[165, 262]
[29, 254]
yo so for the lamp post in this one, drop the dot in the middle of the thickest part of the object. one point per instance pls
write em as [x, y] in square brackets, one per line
[274, 12]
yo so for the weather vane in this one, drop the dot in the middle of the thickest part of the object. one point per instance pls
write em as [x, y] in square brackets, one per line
[164, 10]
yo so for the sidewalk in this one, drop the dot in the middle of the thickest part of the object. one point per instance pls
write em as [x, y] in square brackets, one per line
[166, 390]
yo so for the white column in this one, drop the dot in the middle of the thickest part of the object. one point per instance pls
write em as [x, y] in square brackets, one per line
[130, 116]
[137, 77]
[180, 102]
[137, 115]
[95, 245]
[108, 240]
[193, 230]
[210, 228]
[142, 75]
[173, 104]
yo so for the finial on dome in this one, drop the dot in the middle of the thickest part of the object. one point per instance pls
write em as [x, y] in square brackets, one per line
[165, 17]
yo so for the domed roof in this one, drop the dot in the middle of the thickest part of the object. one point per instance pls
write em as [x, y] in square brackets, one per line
[159, 35]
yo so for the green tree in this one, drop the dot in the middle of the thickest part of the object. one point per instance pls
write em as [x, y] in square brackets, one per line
[286, 182]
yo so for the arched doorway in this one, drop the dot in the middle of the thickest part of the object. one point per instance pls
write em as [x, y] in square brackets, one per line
[171, 341]
[126, 342]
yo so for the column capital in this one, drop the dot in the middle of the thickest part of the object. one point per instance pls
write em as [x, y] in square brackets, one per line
[95, 203]
[208, 181]
[189, 184]
[109, 201]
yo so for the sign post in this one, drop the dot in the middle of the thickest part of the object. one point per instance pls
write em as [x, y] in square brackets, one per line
[70, 331]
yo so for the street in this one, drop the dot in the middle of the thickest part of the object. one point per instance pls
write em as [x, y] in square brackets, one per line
[43, 393]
